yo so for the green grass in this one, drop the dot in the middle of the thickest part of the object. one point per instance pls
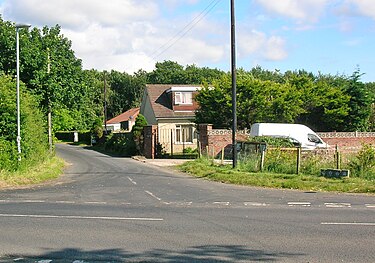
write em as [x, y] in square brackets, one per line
[48, 170]
[204, 168]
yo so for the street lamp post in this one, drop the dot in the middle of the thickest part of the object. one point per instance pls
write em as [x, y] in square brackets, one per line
[18, 27]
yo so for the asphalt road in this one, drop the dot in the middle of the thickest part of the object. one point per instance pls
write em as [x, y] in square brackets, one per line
[106, 209]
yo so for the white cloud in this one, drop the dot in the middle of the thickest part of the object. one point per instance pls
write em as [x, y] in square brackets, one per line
[260, 45]
[128, 35]
[121, 34]
[128, 62]
[174, 3]
[78, 14]
[275, 49]
[365, 7]
[301, 10]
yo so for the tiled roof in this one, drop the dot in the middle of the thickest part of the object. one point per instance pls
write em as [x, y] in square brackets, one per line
[130, 114]
[161, 103]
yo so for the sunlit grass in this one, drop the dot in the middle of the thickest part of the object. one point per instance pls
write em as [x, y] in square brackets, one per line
[47, 170]
[204, 168]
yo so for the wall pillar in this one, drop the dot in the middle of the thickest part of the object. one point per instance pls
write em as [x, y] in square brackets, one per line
[203, 130]
[150, 140]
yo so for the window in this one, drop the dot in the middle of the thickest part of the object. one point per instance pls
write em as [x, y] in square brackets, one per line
[183, 98]
[184, 134]
[313, 138]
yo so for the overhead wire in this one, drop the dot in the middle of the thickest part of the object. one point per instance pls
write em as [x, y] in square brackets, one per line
[186, 29]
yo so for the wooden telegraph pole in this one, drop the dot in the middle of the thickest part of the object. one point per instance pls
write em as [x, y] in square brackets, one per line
[234, 91]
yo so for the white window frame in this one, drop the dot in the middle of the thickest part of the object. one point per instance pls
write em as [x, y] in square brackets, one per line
[179, 134]
[184, 98]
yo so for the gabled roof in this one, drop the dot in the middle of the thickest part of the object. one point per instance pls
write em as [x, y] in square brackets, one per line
[162, 104]
[127, 115]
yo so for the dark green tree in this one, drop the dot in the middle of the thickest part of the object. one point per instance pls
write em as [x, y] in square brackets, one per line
[167, 72]
[137, 132]
[360, 108]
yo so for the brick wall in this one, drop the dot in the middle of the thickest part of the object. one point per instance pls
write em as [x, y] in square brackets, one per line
[348, 140]
[214, 140]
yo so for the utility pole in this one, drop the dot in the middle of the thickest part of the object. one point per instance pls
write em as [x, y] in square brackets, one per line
[234, 91]
[105, 104]
[49, 105]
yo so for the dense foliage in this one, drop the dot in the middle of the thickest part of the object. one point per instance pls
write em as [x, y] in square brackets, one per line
[323, 102]
[34, 140]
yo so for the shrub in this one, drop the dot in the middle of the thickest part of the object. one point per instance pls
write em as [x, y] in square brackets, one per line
[273, 141]
[363, 164]
[137, 131]
[120, 144]
[34, 143]
[278, 161]
[189, 150]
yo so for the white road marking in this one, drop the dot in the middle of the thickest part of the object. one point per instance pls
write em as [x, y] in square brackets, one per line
[346, 224]
[32, 201]
[221, 203]
[299, 204]
[22, 201]
[132, 181]
[45, 261]
[178, 203]
[65, 202]
[84, 217]
[337, 205]
[154, 196]
[254, 204]
[370, 205]
[95, 203]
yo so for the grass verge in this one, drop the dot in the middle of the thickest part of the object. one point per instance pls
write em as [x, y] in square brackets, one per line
[47, 170]
[204, 168]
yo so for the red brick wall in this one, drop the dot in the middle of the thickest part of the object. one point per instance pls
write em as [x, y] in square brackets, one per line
[215, 140]
[348, 140]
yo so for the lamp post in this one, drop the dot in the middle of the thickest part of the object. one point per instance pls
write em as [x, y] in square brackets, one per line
[18, 27]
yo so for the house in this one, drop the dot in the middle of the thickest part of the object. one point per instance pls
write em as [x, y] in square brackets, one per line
[123, 122]
[171, 108]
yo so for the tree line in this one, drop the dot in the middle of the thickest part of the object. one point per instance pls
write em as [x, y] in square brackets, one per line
[52, 78]
[322, 102]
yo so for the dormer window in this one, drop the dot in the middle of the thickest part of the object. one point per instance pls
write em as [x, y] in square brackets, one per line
[183, 98]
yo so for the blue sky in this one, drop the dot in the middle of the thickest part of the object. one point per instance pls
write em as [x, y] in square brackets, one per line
[327, 36]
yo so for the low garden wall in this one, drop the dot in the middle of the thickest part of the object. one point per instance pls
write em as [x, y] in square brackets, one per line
[213, 141]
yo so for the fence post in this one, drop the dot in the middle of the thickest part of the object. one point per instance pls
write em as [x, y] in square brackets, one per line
[262, 154]
[171, 142]
[183, 140]
[222, 155]
[199, 149]
[298, 159]
[338, 157]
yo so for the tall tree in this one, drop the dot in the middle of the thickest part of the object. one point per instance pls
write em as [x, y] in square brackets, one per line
[360, 103]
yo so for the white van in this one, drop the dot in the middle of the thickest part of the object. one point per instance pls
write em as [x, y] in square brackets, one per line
[297, 133]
